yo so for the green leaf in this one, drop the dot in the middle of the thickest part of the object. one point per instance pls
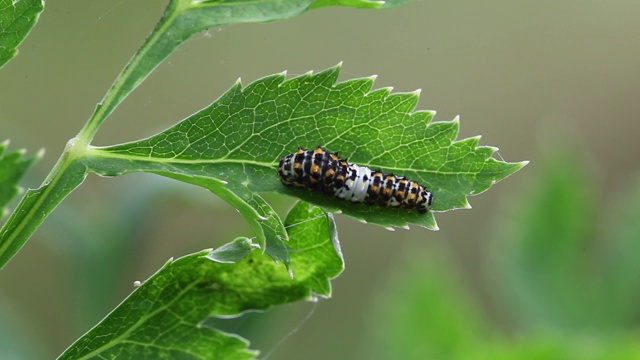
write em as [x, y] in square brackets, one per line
[233, 252]
[16, 20]
[620, 280]
[553, 346]
[13, 166]
[233, 147]
[184, 18]
[424, 312]
[554, 271]
[161, 319]
[109, 232]
[540, 260]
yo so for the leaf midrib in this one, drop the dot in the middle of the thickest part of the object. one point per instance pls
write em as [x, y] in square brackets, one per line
[141, 320]
[100, 153]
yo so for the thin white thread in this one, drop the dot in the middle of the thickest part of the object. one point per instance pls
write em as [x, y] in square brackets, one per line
[305, 221]
[292, 332]
[111, 9]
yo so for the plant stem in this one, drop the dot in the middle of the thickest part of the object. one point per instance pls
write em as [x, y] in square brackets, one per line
[143, 62]
[69, 172]
[37, 204]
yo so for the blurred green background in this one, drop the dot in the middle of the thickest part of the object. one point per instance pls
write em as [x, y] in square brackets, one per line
[544, 267]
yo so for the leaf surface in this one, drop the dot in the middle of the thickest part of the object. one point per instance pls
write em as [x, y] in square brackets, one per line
[233, 147]
[162, 318]
[17, 18]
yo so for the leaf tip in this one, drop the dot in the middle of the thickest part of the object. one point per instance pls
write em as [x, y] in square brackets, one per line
[467, 205]
[168, 262]
[416, 92]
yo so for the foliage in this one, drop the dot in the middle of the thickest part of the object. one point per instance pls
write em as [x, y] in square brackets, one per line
[564, 301]
[16, 20]
[232, 148]
[580, 284]
[185, 291]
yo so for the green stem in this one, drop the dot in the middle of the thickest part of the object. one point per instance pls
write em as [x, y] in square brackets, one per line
[148, 57]
[69, 172]
[36, 204]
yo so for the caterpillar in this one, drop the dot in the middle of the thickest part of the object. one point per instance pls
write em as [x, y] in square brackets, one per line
[323, 171]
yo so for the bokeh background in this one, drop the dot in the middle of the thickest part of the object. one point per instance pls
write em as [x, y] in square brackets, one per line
[553, 82]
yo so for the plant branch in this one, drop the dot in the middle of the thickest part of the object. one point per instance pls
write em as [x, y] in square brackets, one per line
[139, 67]
[37, 204]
